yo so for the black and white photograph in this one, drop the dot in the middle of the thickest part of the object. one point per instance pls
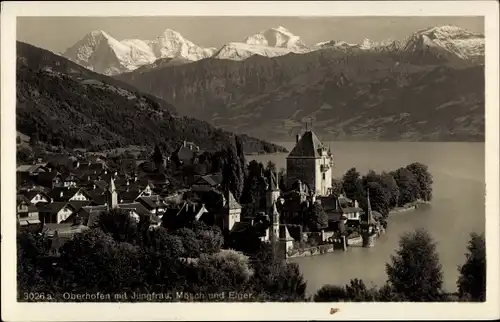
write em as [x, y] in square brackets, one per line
[323, 160]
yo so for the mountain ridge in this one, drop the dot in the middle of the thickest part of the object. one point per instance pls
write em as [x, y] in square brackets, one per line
[64, 104]
[272, 97]
[130, 54]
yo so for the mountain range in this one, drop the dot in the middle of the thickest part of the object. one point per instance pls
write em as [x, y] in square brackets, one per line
[426, 87]
[64, 104]
[104, 54]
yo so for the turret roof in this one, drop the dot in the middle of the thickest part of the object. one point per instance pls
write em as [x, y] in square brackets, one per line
[231, 202]
[308, 146]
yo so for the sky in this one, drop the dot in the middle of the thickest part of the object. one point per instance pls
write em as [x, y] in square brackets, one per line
[59, 33]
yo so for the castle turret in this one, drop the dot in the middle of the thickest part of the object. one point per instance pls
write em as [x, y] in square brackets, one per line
[273, 191]
[112, 195]
[232, 211]
[275, 228]
[368, 229]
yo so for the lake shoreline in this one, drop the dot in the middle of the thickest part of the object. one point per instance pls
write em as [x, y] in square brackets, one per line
[358, 240]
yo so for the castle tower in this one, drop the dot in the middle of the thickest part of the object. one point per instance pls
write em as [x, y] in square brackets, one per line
[112, 195]
[311, 162]
[232, 211]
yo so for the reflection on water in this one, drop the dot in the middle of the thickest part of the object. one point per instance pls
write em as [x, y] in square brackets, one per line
[456, 211]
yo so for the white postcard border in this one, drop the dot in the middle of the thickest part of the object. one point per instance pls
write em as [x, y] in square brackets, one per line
[13, 311]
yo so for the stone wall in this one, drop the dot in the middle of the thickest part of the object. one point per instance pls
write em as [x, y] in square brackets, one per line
[302, 169]
[320, 249]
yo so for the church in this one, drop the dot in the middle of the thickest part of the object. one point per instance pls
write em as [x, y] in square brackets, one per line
[311, 162]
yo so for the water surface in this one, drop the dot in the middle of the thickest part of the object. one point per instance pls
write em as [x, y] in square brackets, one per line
[458, 207]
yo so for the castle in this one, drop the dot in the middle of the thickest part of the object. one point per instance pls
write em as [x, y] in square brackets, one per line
[311, 163]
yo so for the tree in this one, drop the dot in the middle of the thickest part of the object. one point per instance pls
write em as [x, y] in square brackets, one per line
[119, 224]
[336, 187]
[161, 241]
[330, 293]
[225, 270]
[424, 179]
[352, 184]
[254, 186]
[318, 219]
[472, 280]
[378, 198]
[191, 244]
[391, 188]
[356, 291]
[415, 272]
[271, 166]
[407, 184]
[275, 279]
[233, 171]
[157, 156]
[34, 139]
[210, 237]
[93, 262]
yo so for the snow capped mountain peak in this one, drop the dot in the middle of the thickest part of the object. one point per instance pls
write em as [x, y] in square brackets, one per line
[96, 33]
[171, 44]
[447, 32]
[275, 37]
[367, 44]
[271, 42]
[169, 33]
[102, 53]
[447, 39]
[99, 51]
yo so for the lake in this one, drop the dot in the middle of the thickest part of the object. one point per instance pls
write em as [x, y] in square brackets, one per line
[457, 208]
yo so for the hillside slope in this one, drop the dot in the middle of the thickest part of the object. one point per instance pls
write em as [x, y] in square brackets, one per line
[63, 103]
[347, 94]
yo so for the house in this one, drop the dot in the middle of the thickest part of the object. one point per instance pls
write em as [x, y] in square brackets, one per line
[34, 196]
[185, 153]
[27, 213]
[97, 195]
[338, 210]
[55, 212]
[132, 192]
[154, 204]
[207, 182]
[157, 180]
[139, 212]
[70, 180]
[89, 168]
[49, 179]
[184, 214]
[61, 194]
[26, 172]
[59, 234]
[87, 215]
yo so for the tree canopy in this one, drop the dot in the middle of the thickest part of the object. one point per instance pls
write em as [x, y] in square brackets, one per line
[415, 271]
[472, 280]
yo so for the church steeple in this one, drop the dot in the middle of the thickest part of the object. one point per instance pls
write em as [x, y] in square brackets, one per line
[275, 232]
[369, 207]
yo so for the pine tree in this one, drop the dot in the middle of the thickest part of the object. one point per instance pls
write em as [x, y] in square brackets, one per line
[233, 172]
[472, 280]
[157, 156]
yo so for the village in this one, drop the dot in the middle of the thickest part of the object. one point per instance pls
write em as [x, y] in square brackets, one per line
[62, 202]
